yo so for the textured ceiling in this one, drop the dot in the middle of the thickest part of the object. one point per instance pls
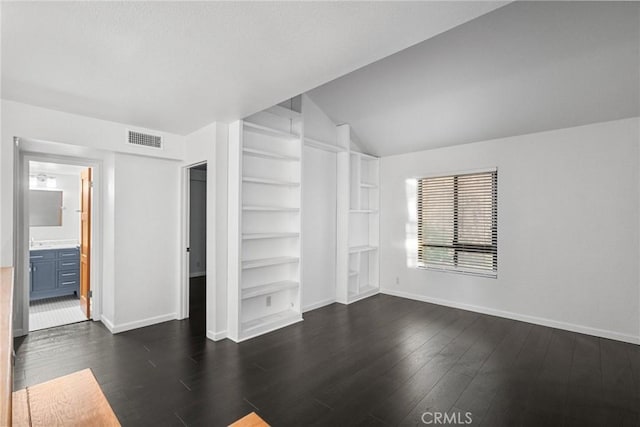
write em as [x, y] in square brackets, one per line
[177, 66]
[524, 68]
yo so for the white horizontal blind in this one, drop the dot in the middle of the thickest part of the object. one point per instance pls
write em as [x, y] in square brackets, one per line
[458, 223]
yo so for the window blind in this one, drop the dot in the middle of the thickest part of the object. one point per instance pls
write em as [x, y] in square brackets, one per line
[458, 222]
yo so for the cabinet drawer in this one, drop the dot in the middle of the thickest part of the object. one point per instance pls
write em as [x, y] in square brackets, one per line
[66, 275]
[35, 256]
[70, 264]
[69, 283]
[68, 253]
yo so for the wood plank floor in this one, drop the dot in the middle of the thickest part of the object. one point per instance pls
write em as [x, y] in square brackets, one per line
[381, 361]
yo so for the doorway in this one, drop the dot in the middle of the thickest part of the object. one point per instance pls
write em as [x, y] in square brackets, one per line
[59, 235]
[197, 247]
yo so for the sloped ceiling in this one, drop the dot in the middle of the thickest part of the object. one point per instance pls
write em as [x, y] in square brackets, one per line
[177, 66]
[524, 68]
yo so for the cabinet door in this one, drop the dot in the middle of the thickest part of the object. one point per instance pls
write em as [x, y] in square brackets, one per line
[43, 276]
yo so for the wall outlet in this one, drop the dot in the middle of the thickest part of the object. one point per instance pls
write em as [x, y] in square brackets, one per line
[269, 301]
[397, 280]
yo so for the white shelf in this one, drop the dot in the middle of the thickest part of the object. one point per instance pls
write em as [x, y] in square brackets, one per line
[266, 262]
[268, 155]
[281, 111]
[268, 321]
[255, 236]
[268, 288]
[269, 209]
[355, 249]
[322, 145]
[265, 181]
[358, 221]
[265, 130]
[263, 233]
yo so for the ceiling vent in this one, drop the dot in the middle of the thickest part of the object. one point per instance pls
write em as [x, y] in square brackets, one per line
[145, 139]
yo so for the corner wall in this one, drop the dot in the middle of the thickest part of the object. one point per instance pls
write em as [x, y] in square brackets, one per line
[568, 229]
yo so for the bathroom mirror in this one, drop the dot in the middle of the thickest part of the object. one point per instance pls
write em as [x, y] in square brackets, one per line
[45, 208]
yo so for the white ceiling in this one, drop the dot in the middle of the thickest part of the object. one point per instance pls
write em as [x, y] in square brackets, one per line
[524, 68]
[177, 66]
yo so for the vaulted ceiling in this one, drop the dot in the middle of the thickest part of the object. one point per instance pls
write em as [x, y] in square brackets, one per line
[526, 67]
[177, 66]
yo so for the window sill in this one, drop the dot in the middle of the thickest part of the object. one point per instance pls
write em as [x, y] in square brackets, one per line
[485, 274]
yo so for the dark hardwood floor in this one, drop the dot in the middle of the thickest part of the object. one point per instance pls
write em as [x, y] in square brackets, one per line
[382, 361]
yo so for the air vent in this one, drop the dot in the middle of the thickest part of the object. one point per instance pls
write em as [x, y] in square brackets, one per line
[144, 139]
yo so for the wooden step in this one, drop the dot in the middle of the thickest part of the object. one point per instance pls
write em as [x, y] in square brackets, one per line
[251, 420]
[20, 409]
[72, 400]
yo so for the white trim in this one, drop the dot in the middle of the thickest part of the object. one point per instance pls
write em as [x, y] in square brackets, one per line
[520, 317]
[318, 304]
[363, 295]
[452, 173]
[365, 155]
[185, 273]
[183, 308]
[197, 274]
[116, 329]
[217, 336]
[107, 323]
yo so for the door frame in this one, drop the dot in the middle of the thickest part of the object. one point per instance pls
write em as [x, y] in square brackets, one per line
[21, 186]
[184, 240]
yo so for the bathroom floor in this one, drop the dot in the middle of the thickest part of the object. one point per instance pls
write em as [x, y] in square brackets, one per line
[50, 312]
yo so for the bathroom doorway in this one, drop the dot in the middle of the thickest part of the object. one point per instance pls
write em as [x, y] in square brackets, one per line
[59, 225]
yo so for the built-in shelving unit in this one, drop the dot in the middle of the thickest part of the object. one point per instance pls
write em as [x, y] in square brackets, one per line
[264, 233]
[358, 222]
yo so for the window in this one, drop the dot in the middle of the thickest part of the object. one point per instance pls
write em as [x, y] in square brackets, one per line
[458, 223]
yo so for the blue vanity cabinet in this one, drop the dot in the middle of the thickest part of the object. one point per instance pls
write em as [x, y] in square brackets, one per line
[54, 272]
[43, 276]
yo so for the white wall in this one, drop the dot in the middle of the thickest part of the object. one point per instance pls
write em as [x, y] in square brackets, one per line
[139, 208]
[79, 132]
[70, 228]
[319, 198]
[147, 255]
[220, 259]
[318, 228]
[198, 223]
[568, 229]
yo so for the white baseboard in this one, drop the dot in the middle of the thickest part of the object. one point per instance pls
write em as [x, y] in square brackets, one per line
[603, 333]
[318, 304]
[216, 336]
[197, 274]
[116, 329]
[107, 323]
